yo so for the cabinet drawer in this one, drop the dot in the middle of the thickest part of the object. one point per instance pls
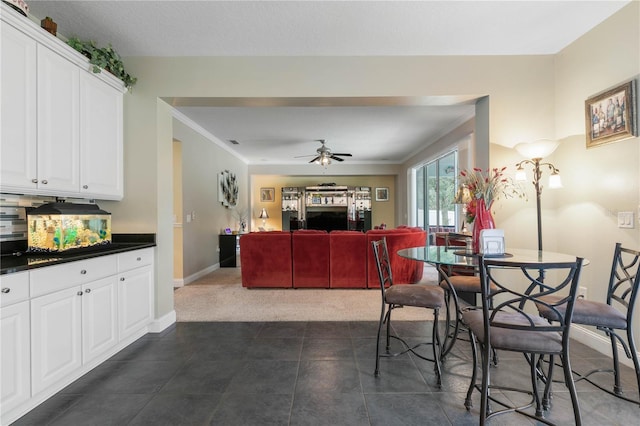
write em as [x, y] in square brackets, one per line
[15, 288]
[135, 259]
[54, 278]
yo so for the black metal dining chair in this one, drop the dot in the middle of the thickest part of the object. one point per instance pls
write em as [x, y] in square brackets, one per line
[614, 317]
[401, 295]
[509, 321]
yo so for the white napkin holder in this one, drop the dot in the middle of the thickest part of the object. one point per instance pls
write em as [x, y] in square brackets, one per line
[492, 242]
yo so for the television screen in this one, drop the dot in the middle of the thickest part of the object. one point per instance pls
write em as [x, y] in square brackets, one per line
[327, 220]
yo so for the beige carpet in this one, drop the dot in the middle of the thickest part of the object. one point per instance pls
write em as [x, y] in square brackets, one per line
[220, 296]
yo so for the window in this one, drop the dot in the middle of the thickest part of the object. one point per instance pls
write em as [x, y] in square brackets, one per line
[435, 191]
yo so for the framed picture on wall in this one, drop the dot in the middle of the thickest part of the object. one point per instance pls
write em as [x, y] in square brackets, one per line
[267, 195]
[611, 116]
[382, 194]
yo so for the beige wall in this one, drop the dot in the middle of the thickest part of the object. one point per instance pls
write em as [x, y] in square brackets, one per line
[178, 272]
[202, 161]
[381, 211]
[521, 93]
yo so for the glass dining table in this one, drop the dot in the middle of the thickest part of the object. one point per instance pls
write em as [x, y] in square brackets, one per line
[445, 258]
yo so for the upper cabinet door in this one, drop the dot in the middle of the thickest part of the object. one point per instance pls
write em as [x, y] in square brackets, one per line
[58, 123]
[101, 156]
[18, 109]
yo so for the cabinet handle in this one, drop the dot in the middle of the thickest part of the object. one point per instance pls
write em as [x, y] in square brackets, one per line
[79, 293]
[122, 279]
[88, 291]
[44, 181]
[34, 180]
[6, 290]
[85, 186]
[139, 259]
[83, 272]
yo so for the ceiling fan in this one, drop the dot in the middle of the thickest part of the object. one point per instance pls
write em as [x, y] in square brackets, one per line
[325, 155]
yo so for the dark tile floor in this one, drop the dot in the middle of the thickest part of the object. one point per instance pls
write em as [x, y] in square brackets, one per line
[298, 373]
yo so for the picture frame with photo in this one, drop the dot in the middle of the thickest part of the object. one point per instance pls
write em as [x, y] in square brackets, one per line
[611, 116]
[267, 195]
[382, 194]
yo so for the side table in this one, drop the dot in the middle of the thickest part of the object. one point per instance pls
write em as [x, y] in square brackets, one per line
[228, 244]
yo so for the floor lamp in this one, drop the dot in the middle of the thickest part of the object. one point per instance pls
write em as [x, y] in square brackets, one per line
[535, 152]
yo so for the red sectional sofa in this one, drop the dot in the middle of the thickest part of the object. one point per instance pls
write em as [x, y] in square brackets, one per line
[340, 259]
[265, 259]
[348, 259]
[310, 258]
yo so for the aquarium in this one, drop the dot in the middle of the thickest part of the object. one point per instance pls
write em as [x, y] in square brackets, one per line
[58, 227]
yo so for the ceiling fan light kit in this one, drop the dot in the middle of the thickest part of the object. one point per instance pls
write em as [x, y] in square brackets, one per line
[325, 155]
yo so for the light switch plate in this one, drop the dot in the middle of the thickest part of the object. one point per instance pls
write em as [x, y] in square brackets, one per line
[625, 220]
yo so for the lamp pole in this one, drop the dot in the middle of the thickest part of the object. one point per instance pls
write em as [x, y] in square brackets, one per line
[537, 174]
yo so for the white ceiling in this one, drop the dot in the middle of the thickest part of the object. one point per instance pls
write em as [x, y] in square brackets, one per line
[371, 130]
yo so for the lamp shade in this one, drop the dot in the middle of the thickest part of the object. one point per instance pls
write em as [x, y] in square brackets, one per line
[538, 149]
[463, 196]
[264, 214]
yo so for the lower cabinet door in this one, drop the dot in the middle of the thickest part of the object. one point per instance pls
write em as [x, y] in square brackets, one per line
[55, 337]
[15, 376]
[135, 300]
[99, 317]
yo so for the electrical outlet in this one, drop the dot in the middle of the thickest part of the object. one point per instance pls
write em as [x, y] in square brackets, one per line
[582, 292]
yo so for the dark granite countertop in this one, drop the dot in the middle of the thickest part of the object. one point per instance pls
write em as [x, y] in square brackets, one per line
[20, 261]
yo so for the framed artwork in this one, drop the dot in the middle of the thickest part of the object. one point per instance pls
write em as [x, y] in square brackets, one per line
[611, 116]
[382, 194]
[227, 189]
[267, 195]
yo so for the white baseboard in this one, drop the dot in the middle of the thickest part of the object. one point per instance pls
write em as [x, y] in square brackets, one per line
[181, 282]
[599, 342]
[160, 324]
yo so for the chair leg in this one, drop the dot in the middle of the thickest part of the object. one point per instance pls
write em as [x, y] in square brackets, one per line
[546, 399]
[617, 388]
[437, 349]
[634, 354]
[568, 380]
[534, 384]
[383, 314]
[486, 381]
[474, 373]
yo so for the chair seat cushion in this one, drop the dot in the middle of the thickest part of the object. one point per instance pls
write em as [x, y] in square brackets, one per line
[470, 284]
[514, 340]
[421, 295]
[587, 312]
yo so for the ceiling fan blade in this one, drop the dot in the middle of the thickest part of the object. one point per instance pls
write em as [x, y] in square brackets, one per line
[333, 157]
[343, 155]
[302, 156]
[314, 160]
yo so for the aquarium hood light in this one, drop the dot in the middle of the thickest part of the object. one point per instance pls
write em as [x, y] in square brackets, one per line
[67, 209]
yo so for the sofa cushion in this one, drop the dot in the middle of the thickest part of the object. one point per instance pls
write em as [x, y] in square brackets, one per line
[348, 259]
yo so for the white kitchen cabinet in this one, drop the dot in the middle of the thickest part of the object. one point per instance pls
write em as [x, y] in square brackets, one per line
[15, 353]
[18, 110]
[99, 317]
[15, 345]
[135, 291]
[55, 337]
[62, 130]
[58, 123]
[101, 168]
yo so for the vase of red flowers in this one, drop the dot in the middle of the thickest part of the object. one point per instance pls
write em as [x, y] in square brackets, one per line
[484, 188]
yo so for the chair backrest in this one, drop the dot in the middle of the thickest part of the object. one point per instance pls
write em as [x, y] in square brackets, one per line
[624, 279]
[521, 289]
[381, 255]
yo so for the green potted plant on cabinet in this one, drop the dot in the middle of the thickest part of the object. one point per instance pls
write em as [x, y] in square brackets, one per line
[103, 58]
